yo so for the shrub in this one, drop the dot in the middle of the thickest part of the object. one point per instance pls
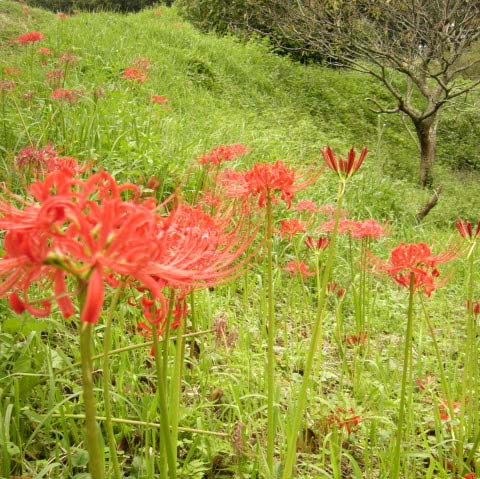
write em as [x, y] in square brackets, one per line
[244, 18]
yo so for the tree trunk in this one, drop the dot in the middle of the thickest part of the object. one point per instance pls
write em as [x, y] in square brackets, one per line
[427, 134]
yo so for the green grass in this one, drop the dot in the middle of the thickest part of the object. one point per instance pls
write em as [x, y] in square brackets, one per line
[223, 92]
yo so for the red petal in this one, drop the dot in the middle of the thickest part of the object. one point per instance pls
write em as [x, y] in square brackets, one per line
[94, 301]
[16, 303]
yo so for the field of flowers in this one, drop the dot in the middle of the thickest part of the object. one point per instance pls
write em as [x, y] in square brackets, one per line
[195, 285]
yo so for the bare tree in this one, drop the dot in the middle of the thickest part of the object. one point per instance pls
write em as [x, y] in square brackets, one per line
[415, 48]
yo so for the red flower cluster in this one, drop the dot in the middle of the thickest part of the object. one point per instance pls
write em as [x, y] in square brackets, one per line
[333, 287]
[7, 85]
[222, 154]
[263, 181]
[45, 51]
[68, 96]
[444, 412]
[475, 307]
[54, 77]
[160, 100]
[84, 231]
[465, 228]
[416, 259]
[32, 37]
[356, 339]
[135, 76]
[62, 16]
[11, 72]
[368, 229]
[344, 168]
[290, 228]
[142, 64]
[425, 382]
[45, 160]
[67, 59]
[296, 268]
[345, 419]
[305, 205]
[318, 245]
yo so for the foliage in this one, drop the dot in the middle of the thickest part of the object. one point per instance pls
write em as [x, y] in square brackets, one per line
[92, 5]
[245, 19]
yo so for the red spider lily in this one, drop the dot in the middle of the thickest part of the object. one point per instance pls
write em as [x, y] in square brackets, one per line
[364, 230]
[210, 200]
[263, 181]
[32, 37]
[142, 64]
[32, 158]
[45, 160]
[470, 475]
[7, 85]
[330, 211]
[443, 410]
[319, 245]
[156, 313]
[67, 59]
[62, 16]
[54, 77]
[82, 227]
[475, 307]
[134, 75]
[157, 12]
[159, 100]
[344, 168]
[45, 51]
[11, 72]
[290, 228]
[198, 250]
[425, 382]
[465, 229]
[356, 339]
[333, 287]
[416, 259]
[345, 419]
[223, 153]
[305, 205]
[69, 96]
[86, 230]
[296, 268]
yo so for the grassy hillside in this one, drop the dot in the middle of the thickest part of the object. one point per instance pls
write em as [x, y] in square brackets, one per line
[220, 92]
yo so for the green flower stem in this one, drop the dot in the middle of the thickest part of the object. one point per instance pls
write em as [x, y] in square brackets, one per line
[315, 341]
[32, 144]
[107, 345]
[92, 434]
[469, 383]
[395, 473]
[440, 361]
[472, 347]
[162, 402]
[271, 339]
[176, 385]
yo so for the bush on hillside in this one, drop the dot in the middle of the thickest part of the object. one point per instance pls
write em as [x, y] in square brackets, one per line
[244, 18]
[92, 5]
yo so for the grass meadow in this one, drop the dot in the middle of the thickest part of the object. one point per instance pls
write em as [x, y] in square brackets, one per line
[306, 326]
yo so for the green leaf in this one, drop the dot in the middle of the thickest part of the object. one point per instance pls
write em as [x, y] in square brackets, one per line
[80, 458]
[12, 449]
[24, 325]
